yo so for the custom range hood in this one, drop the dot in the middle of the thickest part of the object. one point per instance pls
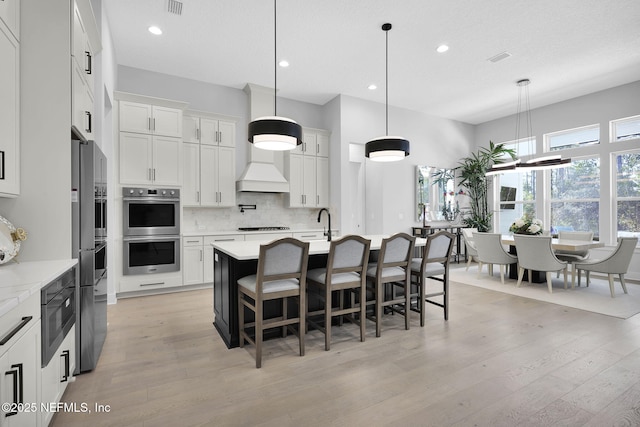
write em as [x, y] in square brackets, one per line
[261, 173]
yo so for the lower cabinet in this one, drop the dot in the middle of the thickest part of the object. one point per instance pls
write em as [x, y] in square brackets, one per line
[19, 369]
[150, 282]
[57, 374]
[197, 264]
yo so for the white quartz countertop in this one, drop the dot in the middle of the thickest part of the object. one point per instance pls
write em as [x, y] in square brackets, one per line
[193, 233]
[19, 280]
[251, 250]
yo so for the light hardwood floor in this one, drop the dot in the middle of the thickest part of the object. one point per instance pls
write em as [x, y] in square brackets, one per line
[500, 360]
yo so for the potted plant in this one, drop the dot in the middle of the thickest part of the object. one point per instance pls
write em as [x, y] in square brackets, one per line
[472, 173]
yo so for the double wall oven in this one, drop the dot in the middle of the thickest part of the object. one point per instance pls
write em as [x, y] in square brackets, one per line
[151, 230]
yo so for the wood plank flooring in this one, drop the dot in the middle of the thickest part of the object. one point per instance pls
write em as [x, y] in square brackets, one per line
[500, 360]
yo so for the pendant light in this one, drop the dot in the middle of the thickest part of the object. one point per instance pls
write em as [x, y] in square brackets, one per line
[387, 148]
[273, 132]
[553, 161]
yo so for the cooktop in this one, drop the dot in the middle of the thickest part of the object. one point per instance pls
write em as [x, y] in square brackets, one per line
[262, 228]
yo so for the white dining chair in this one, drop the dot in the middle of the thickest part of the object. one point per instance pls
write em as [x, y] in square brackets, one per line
[536, 253]
[491, 251]
[571, 257]
[616, 263]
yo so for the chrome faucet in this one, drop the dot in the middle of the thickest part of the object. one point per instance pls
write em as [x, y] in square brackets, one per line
[328, 232]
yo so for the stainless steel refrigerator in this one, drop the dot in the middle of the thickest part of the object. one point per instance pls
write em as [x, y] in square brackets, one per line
[88, 203]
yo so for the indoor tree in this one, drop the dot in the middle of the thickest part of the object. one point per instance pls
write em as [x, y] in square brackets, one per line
[472, 173]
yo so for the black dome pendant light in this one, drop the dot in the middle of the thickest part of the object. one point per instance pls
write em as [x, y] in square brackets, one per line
[387, 148]
[273, 132]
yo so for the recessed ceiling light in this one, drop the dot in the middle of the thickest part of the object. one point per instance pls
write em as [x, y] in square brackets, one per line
[442, 48]
[283, 63]
[155, 30]
[372, 87]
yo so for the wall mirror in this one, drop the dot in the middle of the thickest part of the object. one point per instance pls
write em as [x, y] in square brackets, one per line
[435, 192]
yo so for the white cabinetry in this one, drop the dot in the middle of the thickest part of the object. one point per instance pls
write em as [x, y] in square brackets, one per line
[150, 119]
[192, 260]
[83, 47]
[20, 362]
[9, 98]
[142, 283]
[148, 159]
[57, 374]
[209, 162]
[307, 170]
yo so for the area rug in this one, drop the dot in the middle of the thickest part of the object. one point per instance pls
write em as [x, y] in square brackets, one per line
[596, 298]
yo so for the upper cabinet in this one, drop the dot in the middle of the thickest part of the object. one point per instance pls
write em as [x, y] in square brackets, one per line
[208, 130]
[150, 119]
[85, 42]
[9, 98]
[307, 170]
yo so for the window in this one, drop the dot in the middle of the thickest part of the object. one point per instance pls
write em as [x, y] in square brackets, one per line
[628, 194]
[522, 147]
[575, 196]
[571, 138]
[519, 190]
[624, 129]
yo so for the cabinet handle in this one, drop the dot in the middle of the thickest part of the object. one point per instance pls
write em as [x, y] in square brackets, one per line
[198, 196]
[151, 284]
[88, 69]
[317, 149]
[317, 200]
[154, 174]
[2, 163]
[308, 235]
[15, 330]
[149, 123]
[200, 255]
[220, 197]
[198, 133]
[149, 174]
[154, 123]
[193, 241]
[65, 355]
[16, 372]
[88, 114]
[224, 240]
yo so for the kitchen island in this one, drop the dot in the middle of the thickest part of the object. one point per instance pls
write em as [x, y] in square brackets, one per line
[233, 260]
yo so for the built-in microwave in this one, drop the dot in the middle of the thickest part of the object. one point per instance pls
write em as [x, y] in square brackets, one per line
[150, 212]
[151, 254]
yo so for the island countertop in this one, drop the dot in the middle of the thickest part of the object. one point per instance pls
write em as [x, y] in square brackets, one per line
[249, 250]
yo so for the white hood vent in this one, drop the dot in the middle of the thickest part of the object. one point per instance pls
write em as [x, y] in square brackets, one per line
[261, 174]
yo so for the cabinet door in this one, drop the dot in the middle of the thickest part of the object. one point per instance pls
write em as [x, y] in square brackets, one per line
[322, 182]
[167, 121]
[10, 15]
[167, 161]
[190, 174]
[295, 177]
[88, 65]
[79, 120]
[79, 37]
[193, 262]
[308, 146]
[9, 114]
[135, 158]
[322, 145]
[226, 134]
[309, 181]
[208, 264]
[190, 129]
[19, 368]
[208, 175]
[208, 131]
[226, 176]
[135, 117]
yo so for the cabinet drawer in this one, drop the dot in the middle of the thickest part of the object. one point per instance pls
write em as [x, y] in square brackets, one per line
[150, 282]
[192, 241]
[223, 238]
[18, 320]
[309, 235]
[267, 237]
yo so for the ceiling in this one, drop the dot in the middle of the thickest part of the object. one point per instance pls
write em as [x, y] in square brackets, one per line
[567, 48]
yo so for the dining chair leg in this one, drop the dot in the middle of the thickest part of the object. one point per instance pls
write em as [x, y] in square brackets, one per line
[490, 269]
[469, 263]
[302, 320]
[611, 285]
[565, 277]
[446, 296]
[549, 284]
[502, 273]
[479, 268]
[520, 276]
[588, 278]
[258, 329]
[622, 282]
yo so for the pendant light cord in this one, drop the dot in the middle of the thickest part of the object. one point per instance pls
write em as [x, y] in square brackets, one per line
[275, 57]
[386, 82]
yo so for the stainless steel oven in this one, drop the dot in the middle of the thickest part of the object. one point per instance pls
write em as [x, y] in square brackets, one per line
[151, 254]
[58, 312]
[150, 212]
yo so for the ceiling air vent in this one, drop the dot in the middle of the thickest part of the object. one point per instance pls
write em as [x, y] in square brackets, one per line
[175, 7]
[496, 58]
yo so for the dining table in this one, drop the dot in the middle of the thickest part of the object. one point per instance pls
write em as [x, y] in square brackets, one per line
[556, 244]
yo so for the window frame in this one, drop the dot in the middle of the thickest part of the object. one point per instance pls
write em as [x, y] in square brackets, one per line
[614, 187]
[613, 124]
[546, 138]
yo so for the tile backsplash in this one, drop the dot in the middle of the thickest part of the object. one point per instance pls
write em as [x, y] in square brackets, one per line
[270, 212]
